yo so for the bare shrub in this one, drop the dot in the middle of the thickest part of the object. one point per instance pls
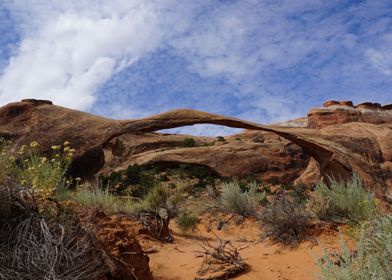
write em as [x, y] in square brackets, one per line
[285, 220]
[220, 261]
[34, 245]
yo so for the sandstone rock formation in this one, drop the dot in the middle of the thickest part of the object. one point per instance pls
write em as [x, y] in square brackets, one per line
[363, 146]
[335, 112]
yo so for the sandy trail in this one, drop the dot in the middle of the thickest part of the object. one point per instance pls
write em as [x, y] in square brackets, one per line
[267, 261]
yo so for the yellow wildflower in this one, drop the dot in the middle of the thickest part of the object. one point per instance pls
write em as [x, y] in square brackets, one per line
[34, 144]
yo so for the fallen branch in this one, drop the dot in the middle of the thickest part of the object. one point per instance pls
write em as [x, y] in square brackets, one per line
[220, 261]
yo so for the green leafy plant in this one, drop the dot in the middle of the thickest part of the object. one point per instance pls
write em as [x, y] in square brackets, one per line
[27, 167]
[347, 202]
[135, 180]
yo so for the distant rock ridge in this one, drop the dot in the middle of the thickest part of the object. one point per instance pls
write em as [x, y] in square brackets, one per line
[340, 142]
[339, 112]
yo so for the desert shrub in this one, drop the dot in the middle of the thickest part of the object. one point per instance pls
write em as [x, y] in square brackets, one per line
[348, 202]
[7, 160]
[36, 242]
[187, 221]
[189, 142]
[27, 167]
[44, 174]
[258, 138]
[204, 175]
[103, 198]
[233, 200]
[371, 259]
[220, 139]
[158, 208]
[135, 181]
[285, 220]
[300, 193]
[162, 201]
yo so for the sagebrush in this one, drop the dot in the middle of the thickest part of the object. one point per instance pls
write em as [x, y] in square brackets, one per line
[246, 203]
[344, 201]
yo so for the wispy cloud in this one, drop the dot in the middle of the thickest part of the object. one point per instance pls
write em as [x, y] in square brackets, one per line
[257, 59]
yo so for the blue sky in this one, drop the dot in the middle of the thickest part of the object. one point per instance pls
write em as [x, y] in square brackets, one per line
[262, 60]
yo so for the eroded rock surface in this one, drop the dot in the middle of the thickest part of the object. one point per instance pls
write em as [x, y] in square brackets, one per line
[339, 112]
[340, 148]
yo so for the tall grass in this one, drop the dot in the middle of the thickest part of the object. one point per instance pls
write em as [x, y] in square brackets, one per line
[103, 198]
[7, 160]
[344, 202]
[233, 200]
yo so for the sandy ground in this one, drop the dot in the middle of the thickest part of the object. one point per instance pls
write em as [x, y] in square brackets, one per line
[180, 261]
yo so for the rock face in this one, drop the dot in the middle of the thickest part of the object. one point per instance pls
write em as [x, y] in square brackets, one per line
[257, 153]
[118, 235]
[339, 148]
[335, 112]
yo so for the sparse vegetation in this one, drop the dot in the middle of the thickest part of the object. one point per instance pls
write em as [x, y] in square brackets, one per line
[220, 139]
[162, 201]
[134, 181]
[258, 138]
[103, 198]
[187, 221]
[246, 203]
[371, 259]
[344, 202]
[189, 142]
[285, 220]
[39, 237]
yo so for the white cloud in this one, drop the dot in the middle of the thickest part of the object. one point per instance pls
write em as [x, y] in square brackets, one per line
[276, 59]
[68, 53]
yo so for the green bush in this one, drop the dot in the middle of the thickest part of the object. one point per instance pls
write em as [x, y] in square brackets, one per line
[371, 259]
[187, 221]
[233, 200]
[189, 142]
[343, 202]
[135, 180]
[202, 173]
[28, 168]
